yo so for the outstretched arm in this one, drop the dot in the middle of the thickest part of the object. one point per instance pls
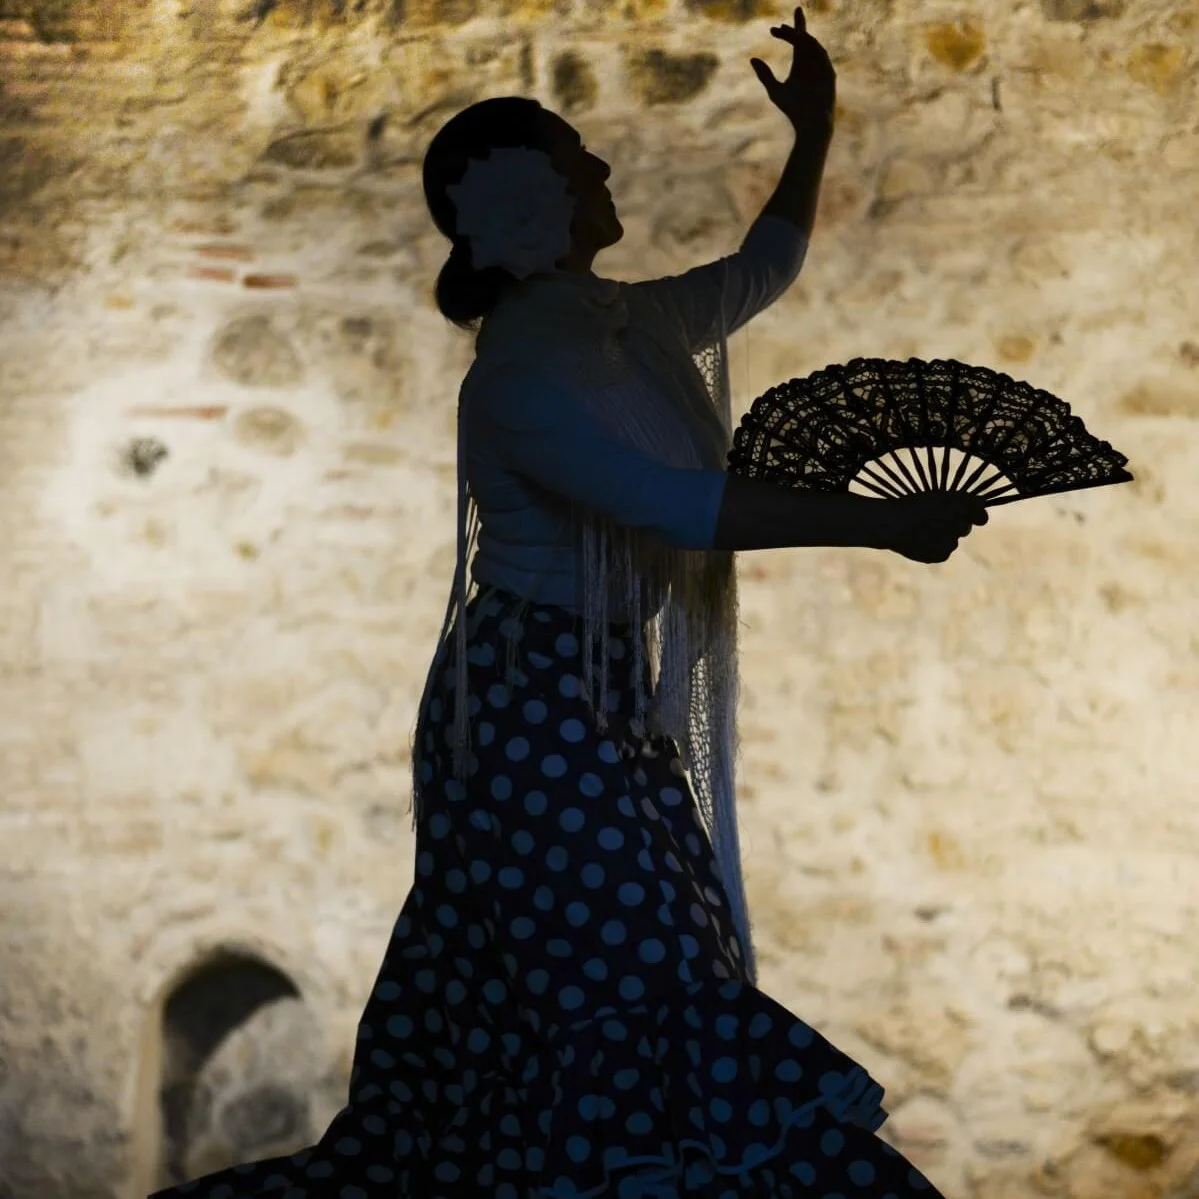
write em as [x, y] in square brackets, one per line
[541, 431]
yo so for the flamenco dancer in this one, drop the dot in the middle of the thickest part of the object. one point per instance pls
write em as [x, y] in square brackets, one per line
[568, 1005]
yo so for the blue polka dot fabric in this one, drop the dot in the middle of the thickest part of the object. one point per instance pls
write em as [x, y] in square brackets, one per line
[561, 1012]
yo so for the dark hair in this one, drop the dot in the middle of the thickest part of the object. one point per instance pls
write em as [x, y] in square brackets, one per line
[463, 294]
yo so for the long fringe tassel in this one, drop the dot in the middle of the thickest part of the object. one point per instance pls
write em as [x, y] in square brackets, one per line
[462, 738]
[690, 648]
[467, 537]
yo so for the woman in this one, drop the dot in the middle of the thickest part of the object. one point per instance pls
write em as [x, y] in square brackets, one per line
[567, 1006]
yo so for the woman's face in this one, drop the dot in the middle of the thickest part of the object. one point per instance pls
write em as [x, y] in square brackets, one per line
[595, 225]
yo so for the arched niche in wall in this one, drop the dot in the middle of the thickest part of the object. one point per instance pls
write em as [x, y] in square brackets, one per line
[237, 1068]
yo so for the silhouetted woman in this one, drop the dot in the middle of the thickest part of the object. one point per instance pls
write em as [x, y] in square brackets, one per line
[568, 1005]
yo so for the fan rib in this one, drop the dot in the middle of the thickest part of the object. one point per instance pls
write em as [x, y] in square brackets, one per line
[897, 409]
[882, 493]
[925, 438]
[912, 484]
[982, 487]
[902, 487]
[988, 496]
[925, 484]
[883, 488]
[967, 455]
[1121, 476]
[980, 424]
[955, 383]
[983, 464]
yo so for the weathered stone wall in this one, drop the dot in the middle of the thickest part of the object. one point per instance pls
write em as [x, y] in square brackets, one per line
[226, 466]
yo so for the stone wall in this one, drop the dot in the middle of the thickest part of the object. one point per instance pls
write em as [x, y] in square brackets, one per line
[227, 466]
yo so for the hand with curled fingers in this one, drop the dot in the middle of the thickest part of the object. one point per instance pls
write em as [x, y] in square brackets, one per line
[808, 95]
[928, 526]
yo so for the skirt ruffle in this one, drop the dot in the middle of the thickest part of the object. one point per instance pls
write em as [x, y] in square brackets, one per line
[717, 1091]
[562, 1011]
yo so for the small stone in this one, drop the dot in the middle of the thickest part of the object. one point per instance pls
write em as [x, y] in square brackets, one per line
[1110, 1038]
[314, 151]
[266, 1114]
[663, 78]
[957, 47]
[1083, 10]
[1141, 1151]
[271, 429]
[251, 352]
[574, 82]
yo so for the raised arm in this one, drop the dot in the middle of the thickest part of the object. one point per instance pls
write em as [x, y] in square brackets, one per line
[769, 259]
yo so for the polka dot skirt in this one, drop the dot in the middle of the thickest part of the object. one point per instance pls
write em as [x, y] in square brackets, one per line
[561, 1012]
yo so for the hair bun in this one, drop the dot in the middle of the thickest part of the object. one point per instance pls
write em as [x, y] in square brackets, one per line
[465, 295]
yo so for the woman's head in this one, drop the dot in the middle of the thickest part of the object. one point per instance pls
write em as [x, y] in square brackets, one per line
[463, 294]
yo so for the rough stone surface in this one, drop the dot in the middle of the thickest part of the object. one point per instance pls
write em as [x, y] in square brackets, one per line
[227, 470]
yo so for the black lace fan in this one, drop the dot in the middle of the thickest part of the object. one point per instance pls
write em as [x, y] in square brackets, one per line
[895, 428]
